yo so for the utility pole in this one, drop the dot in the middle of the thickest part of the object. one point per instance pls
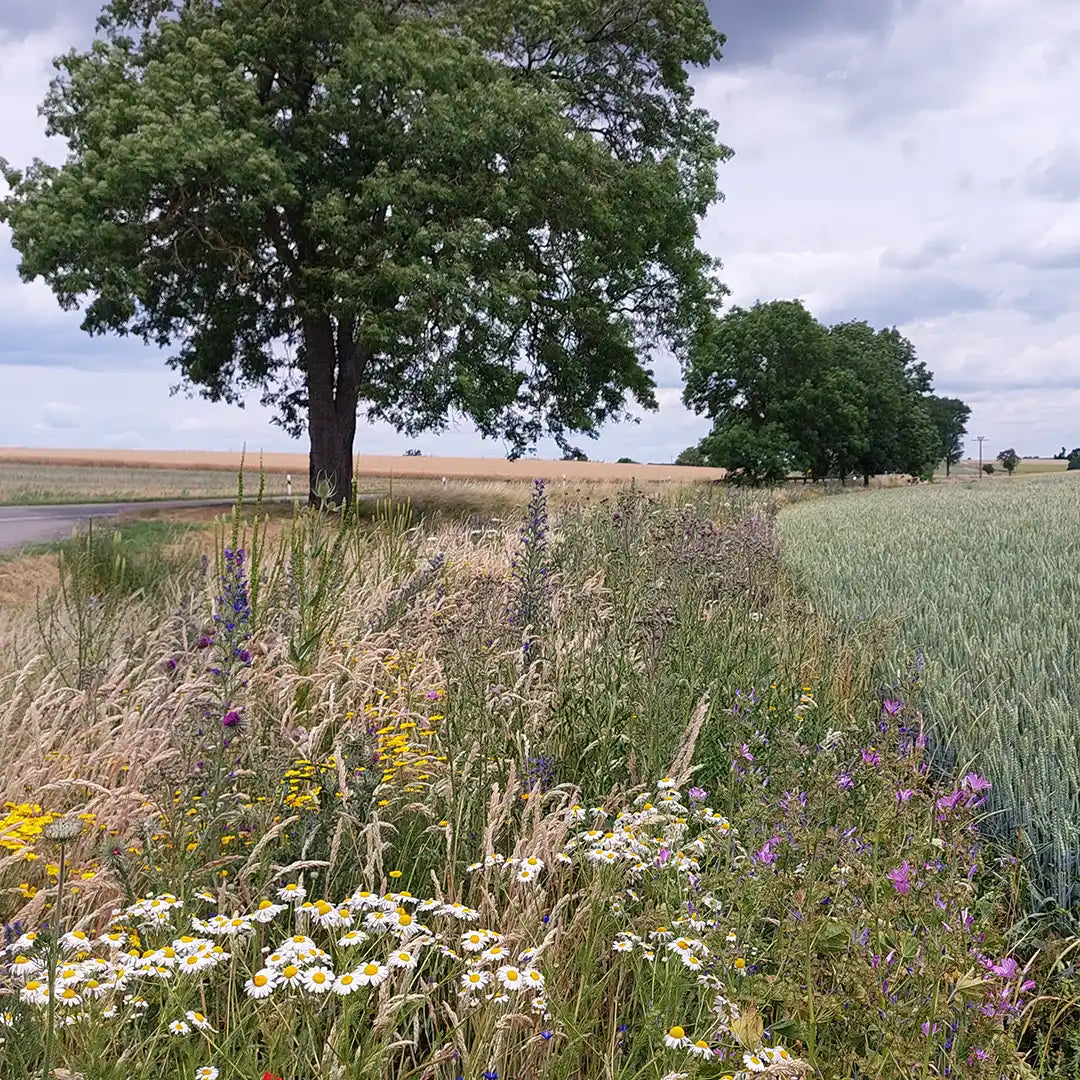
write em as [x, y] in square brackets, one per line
[980, 439]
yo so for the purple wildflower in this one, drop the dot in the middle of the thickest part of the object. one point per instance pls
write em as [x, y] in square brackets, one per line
[698, 794]
[904, 794]
[231, 719]
[891, 706]
[900, 878]
[844, 782]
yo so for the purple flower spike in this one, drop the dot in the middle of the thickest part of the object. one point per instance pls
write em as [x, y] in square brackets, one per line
[231, 719]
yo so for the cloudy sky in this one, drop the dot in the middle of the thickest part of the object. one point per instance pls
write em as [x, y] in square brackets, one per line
[910, 162]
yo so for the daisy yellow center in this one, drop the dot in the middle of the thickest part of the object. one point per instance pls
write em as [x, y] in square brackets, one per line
[322, 907]
[264, 904]
[198, 1016]
[33, 984]
[740, 963]
[346, 980]
[474, 977]
[22, 960]
[260, 980]
[511, 976]
[677, 1032]
[371, 969]
[318, 977]
[68, 993]
[702, 1044]
[299, 939]
[290, 971]
[404, 957]
[404, 920]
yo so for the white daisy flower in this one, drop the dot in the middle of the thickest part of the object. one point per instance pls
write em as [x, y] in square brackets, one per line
[266, 911]
[198, 1021]
[292, 893]
[179, 1027]
[206, 1072]
[533, 863]
[533, 978]
[291, 975]
[346, 983]
[352, 937]
[25, 965]
[700, 1049]
[475, 980]
[319, 980]
[511, 977]
[754, 1062]
[665, 783]
[676, 1038]
[402, 959]
[69, 996]
[75, 939]
[622, 945]
[371, 973]
[261, 984]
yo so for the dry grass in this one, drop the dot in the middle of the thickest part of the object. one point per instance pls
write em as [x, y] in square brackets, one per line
[367, 465]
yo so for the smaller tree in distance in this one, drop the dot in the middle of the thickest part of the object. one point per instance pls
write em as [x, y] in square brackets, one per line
[950, 416]
[1008, 460]
[988, 468]
[692, 455]
[1073, 460]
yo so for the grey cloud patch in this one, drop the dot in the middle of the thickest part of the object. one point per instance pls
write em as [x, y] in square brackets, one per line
[908, 301]
[758, 29]
[22, 17]
[1045, 303]
[68, 347]
[1056, 175]
[933, 249]
[1066, 257]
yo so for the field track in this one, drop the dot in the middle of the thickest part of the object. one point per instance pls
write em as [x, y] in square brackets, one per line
[428, 468]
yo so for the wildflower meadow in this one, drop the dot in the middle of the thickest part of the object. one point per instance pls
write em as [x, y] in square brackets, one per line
[586, 791]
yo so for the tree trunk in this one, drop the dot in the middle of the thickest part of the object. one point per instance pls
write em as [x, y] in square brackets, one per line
[947, 468]
[333, 364]
[865, 479]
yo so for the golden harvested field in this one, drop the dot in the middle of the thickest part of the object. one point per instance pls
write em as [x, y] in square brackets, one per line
[367, 465]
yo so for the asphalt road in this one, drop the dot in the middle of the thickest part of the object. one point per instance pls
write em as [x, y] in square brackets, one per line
[21, 525]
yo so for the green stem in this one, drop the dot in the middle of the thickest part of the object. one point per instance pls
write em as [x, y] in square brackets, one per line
[54, 950]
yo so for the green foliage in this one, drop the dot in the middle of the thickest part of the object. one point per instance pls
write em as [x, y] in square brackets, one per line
[950, 416]
[1073, 460]
[438, 209]
[984, 584]
[1009, 459]
[788, 394]
[988, 468]
[692, 455]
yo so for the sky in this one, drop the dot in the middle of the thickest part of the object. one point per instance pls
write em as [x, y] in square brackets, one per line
[913, 163]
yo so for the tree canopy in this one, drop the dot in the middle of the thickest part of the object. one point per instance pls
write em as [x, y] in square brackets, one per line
[459, 209]
[787, 394]
[950, 416]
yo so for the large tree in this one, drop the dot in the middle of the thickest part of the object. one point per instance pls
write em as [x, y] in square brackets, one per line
[950, 416]
[778, 399]
[462, 208]
[901, 436]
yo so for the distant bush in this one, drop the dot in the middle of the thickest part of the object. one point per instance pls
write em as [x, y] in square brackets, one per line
[988, 468]
[626, 461]
[413, 452]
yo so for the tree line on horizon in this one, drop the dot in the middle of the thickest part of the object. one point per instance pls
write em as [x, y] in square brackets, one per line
[788, 395]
